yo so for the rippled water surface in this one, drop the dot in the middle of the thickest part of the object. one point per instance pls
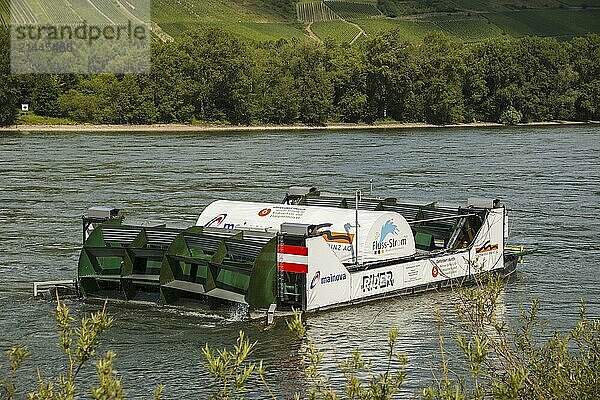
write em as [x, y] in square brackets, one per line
[549, 177]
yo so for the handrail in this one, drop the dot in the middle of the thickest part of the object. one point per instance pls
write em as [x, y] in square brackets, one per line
[419, 221]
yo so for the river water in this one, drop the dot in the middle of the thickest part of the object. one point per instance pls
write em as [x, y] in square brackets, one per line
[549, 177]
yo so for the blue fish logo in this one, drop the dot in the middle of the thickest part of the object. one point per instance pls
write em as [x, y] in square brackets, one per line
[389, 228]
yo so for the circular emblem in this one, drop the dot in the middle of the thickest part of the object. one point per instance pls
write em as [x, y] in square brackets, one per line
[435, 271]
[264, 212]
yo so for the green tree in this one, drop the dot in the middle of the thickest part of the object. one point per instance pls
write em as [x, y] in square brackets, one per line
[533, 75]
[355, 369]
[493, 79]
[588, 101]
[170, 85]
[443, 70]
[547, 86]
[585, 59]
[46, 91]
[80, 106]
[510, 116]
[232, 370]
[276, 99]
[348, 75]
[8, 92]
[394, 81]
[307, 64]
[218, 71]
[89, 101]
[212, 76]
[79, 343]
[130, 100]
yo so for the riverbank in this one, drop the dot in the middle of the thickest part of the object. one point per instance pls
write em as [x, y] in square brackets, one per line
[259, 128]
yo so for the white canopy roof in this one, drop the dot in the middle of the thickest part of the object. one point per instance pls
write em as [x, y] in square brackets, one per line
[382, 235]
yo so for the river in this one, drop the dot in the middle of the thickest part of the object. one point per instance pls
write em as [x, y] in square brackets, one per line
[548, 176]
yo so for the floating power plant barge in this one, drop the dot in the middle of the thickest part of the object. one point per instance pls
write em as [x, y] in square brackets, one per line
[313, 251]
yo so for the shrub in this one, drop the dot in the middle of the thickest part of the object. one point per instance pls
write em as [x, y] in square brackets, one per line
[501, 360]
[79, 344]
[510, 116]
[512, 360]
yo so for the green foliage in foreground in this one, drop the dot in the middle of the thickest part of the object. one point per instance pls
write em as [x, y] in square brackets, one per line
[498, 359]
[79, 343]
[516, 361]
[211, 76]
[231, 369]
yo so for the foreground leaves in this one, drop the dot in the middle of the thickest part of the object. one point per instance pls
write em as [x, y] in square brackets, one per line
[499, 360]
[231, 368]
[521, 361]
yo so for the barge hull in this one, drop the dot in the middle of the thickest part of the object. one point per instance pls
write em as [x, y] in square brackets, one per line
[510, 267]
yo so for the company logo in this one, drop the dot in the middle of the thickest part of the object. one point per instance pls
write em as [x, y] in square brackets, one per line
[487, 247]
[435, 271]
[218, 222]
[264, 212]
[382, 245]
[338, 237]
[315, 279]
[379, 280]
[333, 278]
[326, 279]
[389, 228]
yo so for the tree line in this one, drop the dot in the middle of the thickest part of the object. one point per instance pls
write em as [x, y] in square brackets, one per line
[211, 76]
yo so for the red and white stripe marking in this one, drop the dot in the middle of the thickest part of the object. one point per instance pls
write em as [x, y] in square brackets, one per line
[292, 258]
